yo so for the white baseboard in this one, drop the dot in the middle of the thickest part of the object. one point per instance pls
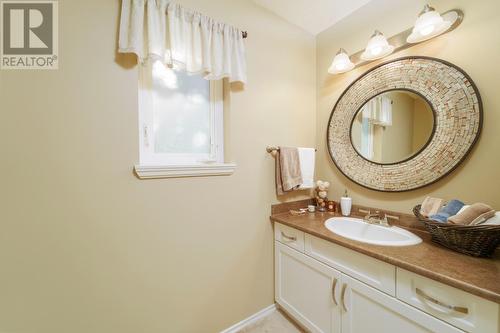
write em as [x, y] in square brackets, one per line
[250, 320]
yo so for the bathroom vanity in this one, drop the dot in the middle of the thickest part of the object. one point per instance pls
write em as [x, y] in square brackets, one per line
[329, 283]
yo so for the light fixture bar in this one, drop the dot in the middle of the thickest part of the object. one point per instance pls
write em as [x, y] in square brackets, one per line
[399, 41]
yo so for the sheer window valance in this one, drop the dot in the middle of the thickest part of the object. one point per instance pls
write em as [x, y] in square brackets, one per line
[178, 36]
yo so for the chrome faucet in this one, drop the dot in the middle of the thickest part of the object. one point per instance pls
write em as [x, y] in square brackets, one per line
[375, 218]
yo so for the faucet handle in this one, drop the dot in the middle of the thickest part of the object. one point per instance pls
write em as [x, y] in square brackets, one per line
[391, 217]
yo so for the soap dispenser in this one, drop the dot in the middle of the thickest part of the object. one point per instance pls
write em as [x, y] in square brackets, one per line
[346, 204]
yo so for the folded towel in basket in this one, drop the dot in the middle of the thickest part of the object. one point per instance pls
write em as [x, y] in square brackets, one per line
[475, 214]
[495, 220]
[430, 206]
[450, 209]
[463, 208]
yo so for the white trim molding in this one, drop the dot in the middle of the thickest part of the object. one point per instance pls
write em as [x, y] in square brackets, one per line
[176, 171]
[251, 320]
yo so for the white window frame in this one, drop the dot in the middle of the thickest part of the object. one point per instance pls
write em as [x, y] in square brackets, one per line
[157, 165]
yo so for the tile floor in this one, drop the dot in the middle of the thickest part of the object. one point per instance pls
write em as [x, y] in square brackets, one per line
[276, 322]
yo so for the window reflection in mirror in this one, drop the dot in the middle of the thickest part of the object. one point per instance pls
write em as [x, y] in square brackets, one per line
[392, 127]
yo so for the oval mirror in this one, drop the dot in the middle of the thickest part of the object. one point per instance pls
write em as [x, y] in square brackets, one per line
[392, 127]
[379, 143]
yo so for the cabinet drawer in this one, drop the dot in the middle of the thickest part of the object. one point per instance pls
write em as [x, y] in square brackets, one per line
[373, 272]
[289, 236]
[457, 307]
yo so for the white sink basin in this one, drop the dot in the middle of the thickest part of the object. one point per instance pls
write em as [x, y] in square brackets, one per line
[357, 229]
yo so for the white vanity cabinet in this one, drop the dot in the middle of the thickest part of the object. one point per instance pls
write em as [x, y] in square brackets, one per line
[307, 290]
[329, 288]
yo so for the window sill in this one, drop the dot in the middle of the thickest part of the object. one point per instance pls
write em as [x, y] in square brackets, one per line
[177, 171]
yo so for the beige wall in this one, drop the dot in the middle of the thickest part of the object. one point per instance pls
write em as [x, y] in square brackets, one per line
[423, 122]
[87, 247]
[397, 138]
[474, 46]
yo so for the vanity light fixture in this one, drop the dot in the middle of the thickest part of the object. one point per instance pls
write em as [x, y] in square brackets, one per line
[341, 63]
[378, 47]
[429, 24]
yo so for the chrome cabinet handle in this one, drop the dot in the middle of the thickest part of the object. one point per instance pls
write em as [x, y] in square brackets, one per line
[290, 238]
[342, 296]
[431, 299]
[334, 284]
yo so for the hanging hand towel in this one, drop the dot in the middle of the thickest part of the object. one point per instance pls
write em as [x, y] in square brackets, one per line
[307, 157]
[288, 175]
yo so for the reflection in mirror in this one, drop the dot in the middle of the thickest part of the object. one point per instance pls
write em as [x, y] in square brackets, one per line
[392, 127]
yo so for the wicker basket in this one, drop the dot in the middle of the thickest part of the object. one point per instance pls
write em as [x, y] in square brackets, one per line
[477, 241]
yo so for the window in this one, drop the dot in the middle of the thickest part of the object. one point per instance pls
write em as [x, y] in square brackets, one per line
[181, 123]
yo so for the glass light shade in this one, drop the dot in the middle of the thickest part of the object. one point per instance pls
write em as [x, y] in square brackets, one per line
[429, 24]
[341, 63]
[378, 47]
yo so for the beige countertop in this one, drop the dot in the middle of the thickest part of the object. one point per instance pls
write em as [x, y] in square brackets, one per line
[477, 276]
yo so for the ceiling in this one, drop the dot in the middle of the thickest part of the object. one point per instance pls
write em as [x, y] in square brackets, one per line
[313, 16]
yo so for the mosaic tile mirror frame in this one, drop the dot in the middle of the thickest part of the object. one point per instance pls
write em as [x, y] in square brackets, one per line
[458, 118]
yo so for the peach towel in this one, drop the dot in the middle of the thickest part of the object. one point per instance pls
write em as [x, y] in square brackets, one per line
[430, 206]
[288, 173]
[473, 215]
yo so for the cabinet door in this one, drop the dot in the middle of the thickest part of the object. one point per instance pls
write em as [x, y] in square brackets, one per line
[307, 289]
[365, 309]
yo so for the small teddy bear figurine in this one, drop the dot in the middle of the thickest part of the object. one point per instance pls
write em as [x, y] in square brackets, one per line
[321, 194]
